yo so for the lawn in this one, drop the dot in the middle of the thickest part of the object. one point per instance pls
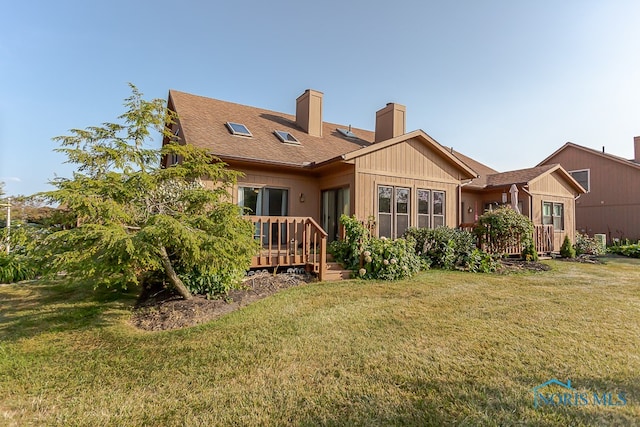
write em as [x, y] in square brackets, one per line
[443, 348]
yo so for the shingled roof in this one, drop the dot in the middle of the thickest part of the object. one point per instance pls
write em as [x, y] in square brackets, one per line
[490, 178]
[203, 123]
[621, 160]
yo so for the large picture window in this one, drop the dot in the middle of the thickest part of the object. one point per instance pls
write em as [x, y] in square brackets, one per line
[394, 208]
[553, 214]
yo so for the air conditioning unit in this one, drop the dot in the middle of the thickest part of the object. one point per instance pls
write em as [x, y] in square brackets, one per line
[602, 239]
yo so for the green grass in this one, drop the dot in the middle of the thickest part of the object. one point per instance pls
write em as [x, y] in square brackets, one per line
[443, 348]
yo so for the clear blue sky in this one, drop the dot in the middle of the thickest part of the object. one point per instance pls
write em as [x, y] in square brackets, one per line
[506, 82]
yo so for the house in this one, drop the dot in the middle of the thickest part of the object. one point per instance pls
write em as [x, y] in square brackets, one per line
[612, 201]
[545, 194]
[300, 174]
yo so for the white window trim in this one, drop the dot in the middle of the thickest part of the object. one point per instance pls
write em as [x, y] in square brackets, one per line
[588, 171]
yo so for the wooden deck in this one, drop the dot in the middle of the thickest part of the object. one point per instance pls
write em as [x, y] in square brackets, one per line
[288, 241]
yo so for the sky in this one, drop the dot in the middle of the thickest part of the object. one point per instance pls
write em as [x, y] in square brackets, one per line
[506, 82]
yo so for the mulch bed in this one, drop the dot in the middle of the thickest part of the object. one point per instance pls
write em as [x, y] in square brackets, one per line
[164, 310]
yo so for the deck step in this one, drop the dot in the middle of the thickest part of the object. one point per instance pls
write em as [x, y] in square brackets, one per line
[336, 272]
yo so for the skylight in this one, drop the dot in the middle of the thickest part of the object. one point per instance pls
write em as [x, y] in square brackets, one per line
[238, 129]
[347, 132]
[286, 137]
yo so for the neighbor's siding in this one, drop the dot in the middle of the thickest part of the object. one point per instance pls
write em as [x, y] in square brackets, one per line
[611, 207]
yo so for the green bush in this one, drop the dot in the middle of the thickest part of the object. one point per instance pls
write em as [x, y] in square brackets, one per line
[566, 250]
[15, 268]
[212, 284]
[502, 228]
[348, 251]
[481, 262]
[632, 251]
[386, 259]
[529, 253]
[372, 257]
[588, 245]
[446, 248]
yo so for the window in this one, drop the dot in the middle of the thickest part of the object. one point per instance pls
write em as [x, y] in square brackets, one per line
[266, 201]
[438, 209]
[286, 137]
[430, 208]
[393, 210]
[238, 129]
[347, 132]
[553, 214]
[424, 201]
[583, 177]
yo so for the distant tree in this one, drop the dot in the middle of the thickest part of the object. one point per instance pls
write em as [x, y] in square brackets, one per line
[134, 218]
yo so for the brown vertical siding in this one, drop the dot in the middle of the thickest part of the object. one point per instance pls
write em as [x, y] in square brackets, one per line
[412, 165]
[612, 204]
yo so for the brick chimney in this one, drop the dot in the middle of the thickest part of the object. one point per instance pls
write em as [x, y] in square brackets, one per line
[390, 122]
[636, 149]
[309, 112]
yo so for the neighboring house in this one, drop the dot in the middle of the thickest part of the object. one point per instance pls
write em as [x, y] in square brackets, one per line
[545, 194]
[611, 205]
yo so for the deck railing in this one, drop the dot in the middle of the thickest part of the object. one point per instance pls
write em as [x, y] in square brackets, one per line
[542, 239]
[290, 241]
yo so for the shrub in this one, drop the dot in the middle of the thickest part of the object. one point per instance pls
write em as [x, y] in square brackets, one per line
[348, 251]
[387, 259]
[529, 253]
[502, 228]
[588, 245]
[372, 257]
[15, 268]
[212, 284]
[632, 251]
[481, 262]
[566, 250]
[450, 248]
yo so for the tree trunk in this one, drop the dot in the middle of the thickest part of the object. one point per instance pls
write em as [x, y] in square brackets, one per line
[172, 276]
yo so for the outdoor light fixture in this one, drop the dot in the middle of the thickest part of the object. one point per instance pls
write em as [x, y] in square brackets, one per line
[470, 210]
[301, 197]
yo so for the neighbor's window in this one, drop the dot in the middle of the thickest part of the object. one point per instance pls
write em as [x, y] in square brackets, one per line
[583, 177]
[553, 214]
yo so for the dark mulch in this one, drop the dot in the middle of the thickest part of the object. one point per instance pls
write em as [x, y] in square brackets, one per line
[515, 266]
[162, 309]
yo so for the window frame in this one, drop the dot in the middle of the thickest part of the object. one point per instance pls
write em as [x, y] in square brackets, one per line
[588, 171]
[552, 217]
[285, 139]
[230, 126]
